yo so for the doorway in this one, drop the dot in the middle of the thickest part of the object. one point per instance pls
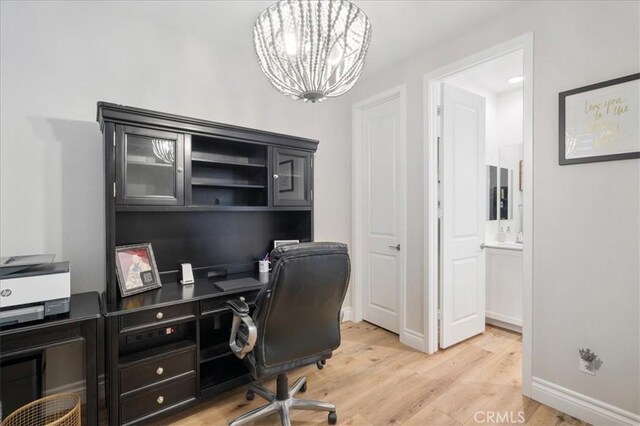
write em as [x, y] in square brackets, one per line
[478, 205]
[379, 210]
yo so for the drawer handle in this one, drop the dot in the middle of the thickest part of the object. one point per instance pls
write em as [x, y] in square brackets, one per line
[159, 315]
[159, 371]
[160, 399]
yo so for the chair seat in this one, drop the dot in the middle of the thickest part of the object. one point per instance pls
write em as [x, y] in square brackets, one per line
[261, 372]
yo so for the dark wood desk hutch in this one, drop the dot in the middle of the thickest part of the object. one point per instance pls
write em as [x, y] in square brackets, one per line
[205, 193]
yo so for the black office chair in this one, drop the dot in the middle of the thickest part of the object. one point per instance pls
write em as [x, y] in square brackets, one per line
[296, 323]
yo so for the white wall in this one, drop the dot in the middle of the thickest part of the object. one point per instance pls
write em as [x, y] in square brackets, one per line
[586, 217]
[58, 59]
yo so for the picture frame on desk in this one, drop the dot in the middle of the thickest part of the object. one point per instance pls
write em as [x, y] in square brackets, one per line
[136, 269]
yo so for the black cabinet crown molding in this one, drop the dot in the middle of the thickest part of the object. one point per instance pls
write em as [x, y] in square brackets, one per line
[121, 114]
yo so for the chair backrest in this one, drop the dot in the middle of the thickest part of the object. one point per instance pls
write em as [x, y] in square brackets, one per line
[298, 311]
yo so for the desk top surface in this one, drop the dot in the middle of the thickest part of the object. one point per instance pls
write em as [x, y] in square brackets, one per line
[82, 307]
[173, 293]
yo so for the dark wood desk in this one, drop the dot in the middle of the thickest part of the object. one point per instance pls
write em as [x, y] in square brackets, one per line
[227, 195]
[81, 323]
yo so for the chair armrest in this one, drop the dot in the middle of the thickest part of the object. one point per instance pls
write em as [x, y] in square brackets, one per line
[241, 345]
[239, 307]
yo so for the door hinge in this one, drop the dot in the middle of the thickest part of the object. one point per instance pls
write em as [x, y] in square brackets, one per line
[439, 110]
[439, 315]
[114, 190]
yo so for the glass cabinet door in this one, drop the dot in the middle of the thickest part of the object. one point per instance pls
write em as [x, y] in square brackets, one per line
[291, 178]
[150, 167]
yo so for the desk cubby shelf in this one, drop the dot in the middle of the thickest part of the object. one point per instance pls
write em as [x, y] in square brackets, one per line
[229, 174]
[219, 163]
[217, 184]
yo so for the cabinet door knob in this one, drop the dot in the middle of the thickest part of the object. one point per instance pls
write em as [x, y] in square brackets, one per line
[180, 169]
[159, 371]
[160, 399]
[275, 176]
[159, 315]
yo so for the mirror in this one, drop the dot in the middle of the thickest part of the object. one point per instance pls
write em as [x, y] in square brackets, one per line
[506, 199]
[492, 186]
[499, 201]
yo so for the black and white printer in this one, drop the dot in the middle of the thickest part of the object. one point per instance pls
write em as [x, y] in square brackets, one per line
[32, 288]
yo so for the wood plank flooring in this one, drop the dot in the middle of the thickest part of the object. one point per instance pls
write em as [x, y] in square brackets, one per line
[375, 380]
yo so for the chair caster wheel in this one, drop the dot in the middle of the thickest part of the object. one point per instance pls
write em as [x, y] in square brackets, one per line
[332, 418]
[250, 395]
[303, 388]
[320, 364]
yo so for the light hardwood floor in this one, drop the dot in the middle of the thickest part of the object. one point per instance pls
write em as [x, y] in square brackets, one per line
[375, 380]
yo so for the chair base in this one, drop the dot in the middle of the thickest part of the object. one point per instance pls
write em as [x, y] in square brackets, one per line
[282, 402]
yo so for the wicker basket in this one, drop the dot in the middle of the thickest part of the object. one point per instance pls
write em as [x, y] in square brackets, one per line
[62, 409]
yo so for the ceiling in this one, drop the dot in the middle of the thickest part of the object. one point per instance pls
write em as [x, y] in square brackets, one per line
[492, 76]
[401, 29]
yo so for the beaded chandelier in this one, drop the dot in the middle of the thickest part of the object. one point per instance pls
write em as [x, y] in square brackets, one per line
[312, 49]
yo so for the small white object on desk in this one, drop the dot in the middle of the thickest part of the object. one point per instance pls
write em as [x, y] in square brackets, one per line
[264, 266]
[187, 274]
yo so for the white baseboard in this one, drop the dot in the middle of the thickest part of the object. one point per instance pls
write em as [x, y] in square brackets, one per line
[504, 318]
[413, 339]
[78, 387]
[347, 313]
[503, 324]
[581, 406]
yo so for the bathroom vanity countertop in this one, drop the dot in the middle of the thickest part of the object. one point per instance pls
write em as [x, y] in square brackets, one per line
[504, 246]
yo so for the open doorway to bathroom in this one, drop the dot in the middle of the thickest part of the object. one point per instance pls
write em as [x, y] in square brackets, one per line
[478, 182]
[499, 83]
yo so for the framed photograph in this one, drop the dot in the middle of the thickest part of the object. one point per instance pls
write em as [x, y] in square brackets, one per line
[285, 171]
[277, 243]
[600, 122]
[136, 269]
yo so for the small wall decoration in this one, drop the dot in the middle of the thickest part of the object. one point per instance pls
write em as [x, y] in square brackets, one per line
[600, 122]
[590, 361]
[136, 269]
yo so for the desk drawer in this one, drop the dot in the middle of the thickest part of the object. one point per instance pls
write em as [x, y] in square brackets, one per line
[158, 399]
[218, 304]
[152, 317]
[157, 369]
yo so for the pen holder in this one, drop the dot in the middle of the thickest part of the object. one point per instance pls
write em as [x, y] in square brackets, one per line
[263, 266]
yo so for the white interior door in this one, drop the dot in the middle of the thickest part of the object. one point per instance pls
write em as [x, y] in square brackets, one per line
[462, 197]
[383, 214]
